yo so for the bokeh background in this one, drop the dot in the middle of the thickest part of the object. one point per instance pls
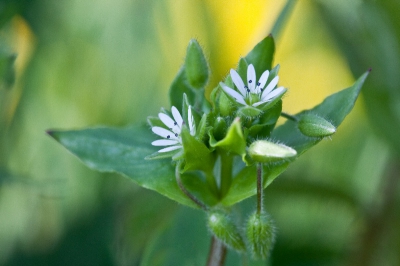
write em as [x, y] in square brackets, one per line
[85, 63]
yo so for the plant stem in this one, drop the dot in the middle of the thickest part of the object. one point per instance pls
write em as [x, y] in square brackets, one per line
[290, 117]
[185, 191]
[226, 172]
[259, 188]
[217, 254]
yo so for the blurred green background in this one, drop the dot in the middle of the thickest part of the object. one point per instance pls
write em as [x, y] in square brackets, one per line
[85, 63]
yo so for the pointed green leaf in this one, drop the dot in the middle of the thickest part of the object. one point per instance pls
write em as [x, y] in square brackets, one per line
[123, 151]
[234, 141]
[197, 71]
[334, 109]
[178, 87]
[262, 55]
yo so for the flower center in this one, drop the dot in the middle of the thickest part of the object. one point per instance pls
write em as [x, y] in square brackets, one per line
[252, 98]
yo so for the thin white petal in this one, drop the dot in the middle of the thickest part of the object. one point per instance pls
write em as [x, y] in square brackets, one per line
[192, 125]
[238, 82]
[275, 93]
[177, 116]
[262, 81]
[164, 142]
[162, 132]
[239, 98]
[270, 87]
[258, 103]
[167, 120]
[170, 148]
[251, 78]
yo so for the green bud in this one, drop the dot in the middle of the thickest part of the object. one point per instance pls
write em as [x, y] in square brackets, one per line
[226, 105]
[264, 151]
[196, 65]
[260, 234]
[225, 230]
[315, 126]
[220, 128]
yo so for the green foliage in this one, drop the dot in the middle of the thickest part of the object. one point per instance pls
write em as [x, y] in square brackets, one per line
[196, 66]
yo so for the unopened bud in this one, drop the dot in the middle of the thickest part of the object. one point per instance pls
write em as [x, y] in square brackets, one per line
[260, 234]
[315, 126]
[225, 230]
[264, 151]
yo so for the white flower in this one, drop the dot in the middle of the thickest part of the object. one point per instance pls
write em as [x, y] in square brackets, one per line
[253, 94]
[172, 137]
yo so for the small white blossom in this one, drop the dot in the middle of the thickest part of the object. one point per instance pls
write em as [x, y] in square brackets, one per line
[171, 136]
[246, 93]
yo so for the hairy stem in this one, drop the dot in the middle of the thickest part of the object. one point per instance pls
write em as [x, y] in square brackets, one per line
[217, 254]
[185, 191]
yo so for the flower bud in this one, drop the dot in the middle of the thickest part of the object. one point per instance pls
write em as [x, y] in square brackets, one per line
[196, 65]
[260, 234]
[264, 151]
[315, 126]
[225, 230]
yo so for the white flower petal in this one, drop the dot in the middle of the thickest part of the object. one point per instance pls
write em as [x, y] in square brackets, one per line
[251, 78]
[170, 148]
[262, 81]
[238, 82]
[164, 142]
[270, 87]
[258, 103]
[162, 132]
[239, 98]
[192, 125]
[177, 117]
[167, 120]
[275, 93]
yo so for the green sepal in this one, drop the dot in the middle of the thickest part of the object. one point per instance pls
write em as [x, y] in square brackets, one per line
[260, 234]
[266, 106]
[315, 126]
[262, 55]
[263, 126]
[225, 230]
[264, 151]
[249, 112]
[242, 69]
[234, 141]
[197, 71]
[162, 155]
[179, 87]
[154, 121]
[220, 127]
[196, 155]
[202, 128]
[273, 73]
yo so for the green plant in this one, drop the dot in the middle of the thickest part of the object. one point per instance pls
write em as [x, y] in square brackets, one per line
[216, 153]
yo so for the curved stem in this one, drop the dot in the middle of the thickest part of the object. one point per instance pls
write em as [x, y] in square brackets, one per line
[217, 254]
[290, 117]
[185, 191]
[259, 188]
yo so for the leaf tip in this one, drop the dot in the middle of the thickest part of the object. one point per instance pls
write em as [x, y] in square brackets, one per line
[369, 70]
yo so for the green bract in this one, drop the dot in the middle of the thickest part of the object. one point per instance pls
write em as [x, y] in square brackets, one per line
[219, 140]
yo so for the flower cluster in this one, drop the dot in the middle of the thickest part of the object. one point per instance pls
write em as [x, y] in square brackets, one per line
[171, 136]
[253, 94]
